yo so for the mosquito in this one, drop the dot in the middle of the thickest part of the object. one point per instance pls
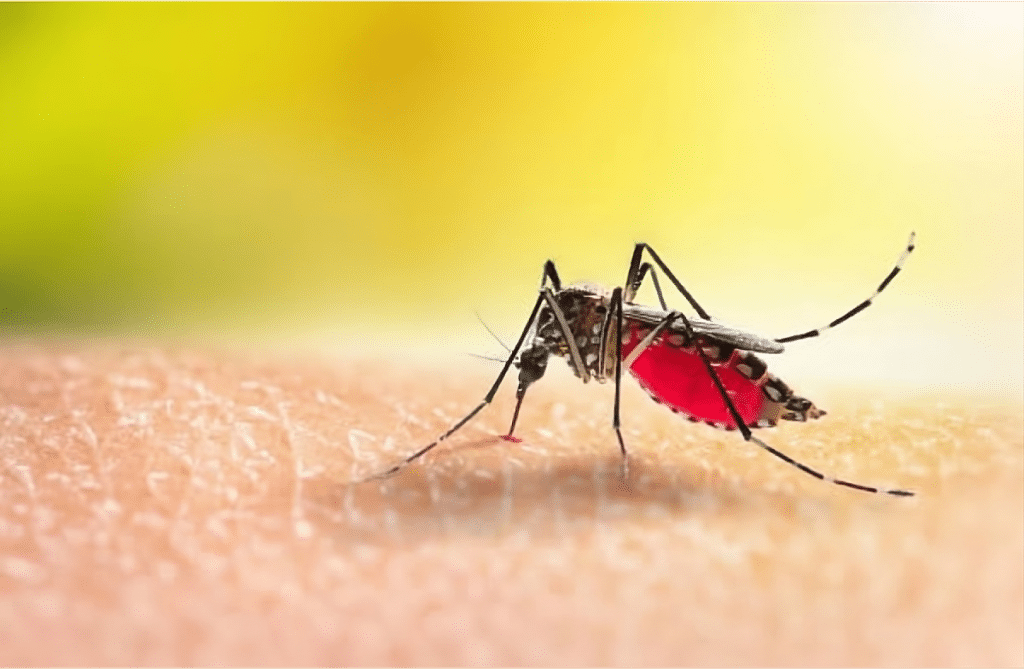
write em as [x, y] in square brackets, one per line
[703, 370]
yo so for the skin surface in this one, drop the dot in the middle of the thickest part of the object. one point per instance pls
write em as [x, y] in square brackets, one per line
[174, 506]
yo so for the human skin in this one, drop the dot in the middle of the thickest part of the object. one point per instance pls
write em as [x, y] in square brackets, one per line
[171, 505]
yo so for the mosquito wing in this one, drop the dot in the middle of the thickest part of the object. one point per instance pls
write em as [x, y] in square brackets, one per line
[738, 338]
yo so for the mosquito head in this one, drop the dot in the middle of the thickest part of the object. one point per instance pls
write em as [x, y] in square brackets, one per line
[532, 364]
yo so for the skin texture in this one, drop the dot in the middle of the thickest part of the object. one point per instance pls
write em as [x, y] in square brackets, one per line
[175, 506]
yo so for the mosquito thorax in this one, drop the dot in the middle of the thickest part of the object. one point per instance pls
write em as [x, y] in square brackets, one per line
[585, 307]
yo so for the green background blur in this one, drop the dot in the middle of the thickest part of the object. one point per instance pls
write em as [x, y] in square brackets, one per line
[377, 172]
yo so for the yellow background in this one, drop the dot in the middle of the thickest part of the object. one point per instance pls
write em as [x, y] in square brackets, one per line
[370, 174]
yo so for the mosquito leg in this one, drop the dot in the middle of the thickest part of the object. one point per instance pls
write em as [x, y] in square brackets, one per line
[649, 339]
[533, 360]
[627, 363]
[616, 304]
[551, 274]
[574, 351]
[745, 431]
[644, 269]
[635, 276]
[860, 307]
[486, 400]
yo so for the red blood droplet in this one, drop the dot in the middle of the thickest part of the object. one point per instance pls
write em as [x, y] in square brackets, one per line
[513, 439]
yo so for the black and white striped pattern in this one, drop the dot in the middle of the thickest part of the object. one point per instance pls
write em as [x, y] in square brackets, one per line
[818, 475]
[747, 436]
[860, 307]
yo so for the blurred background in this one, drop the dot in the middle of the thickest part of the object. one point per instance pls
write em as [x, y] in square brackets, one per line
[369, 175]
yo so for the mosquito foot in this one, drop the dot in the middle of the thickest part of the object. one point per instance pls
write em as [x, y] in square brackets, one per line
[383, 475]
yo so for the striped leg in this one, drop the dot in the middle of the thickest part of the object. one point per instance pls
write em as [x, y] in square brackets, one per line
[860, 307]
[745, 431]
[637, 272]
[529, 372]
[644, 269]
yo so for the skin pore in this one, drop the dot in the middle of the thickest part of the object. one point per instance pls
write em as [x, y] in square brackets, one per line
[172, 505]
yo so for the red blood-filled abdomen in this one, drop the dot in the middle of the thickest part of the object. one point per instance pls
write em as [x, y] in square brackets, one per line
[678, 378]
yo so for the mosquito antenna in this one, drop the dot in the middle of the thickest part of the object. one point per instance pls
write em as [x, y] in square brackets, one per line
[496, 337]
[488, 357]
